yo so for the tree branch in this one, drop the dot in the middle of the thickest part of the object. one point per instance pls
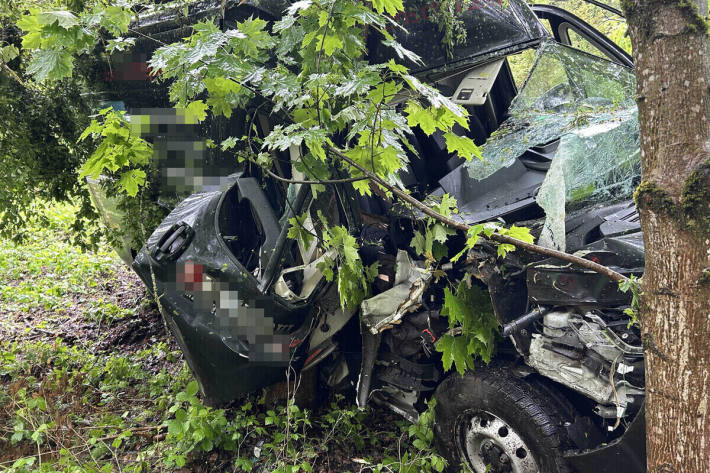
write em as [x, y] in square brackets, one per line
[13, 74]
[326, 181]
[608, 272]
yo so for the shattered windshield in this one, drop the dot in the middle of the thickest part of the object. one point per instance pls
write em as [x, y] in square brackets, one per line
[588, 104]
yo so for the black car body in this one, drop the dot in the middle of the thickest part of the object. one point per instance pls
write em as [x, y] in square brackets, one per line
[560, 156]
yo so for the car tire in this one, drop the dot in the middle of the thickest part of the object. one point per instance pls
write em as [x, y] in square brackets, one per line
[489, 417]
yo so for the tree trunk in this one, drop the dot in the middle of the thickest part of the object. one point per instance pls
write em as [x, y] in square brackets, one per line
[670, 42]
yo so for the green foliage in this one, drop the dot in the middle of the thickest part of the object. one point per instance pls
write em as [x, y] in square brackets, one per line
[632, 284]
[432, 243]
[91, 408]
[56, 37]
[48, 271]
[490, 228]
[609, 24]
[470, 310]
[353, 278]
[120, 147]
[194, 427]
[231, 66]
[421, 434]
[38, 150]
[450, 25]
[308, 66]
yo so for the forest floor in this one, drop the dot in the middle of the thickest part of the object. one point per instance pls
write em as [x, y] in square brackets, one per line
[91, 382]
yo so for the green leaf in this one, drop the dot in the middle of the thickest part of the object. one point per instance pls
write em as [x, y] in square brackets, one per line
[388, 159]
[9, 52]
[130, 181]
[116, 19]
[65, 19]
[403, 52]
[418, 116]
[372, 271]
[191, 388]
[50, 64]
[469, 308]
[390, 6]
[454, 352]
[447, 206]
[180, 415]
[463, 146]
[384, 92]
[207, 445]
[363, 187]
[316, 148]
[520, 233]
[504, 248]
[298, 232]
[29, 22]
[418, 243]
[228, 143]
[174, 427]
[195, 112]
[441, 232]
[331, 43]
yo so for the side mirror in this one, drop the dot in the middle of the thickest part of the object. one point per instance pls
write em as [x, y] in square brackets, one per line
[250, 190]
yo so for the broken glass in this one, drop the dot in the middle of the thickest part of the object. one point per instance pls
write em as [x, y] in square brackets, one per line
[595, 163]
[586, 102]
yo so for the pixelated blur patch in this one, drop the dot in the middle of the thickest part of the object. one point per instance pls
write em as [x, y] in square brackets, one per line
[179, 151]
[190, 278]
[127, 66]
[241, 325]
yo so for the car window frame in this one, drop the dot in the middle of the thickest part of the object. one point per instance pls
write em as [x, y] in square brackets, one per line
[561, 21]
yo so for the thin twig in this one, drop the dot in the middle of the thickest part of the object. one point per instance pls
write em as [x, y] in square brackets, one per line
[326, 181]
[14, 75]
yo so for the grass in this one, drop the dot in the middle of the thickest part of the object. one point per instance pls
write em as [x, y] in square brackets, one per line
[90, 382]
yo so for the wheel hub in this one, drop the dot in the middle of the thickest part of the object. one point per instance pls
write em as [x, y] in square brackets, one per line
[488, 442]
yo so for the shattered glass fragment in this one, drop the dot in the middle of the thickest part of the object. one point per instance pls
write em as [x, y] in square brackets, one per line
[566, 88]
[600, 162]
[586, 102]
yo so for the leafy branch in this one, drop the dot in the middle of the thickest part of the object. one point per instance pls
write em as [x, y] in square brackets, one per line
[121, 149]
[497, 237]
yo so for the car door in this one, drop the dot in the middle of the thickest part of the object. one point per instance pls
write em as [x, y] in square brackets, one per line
[572, 31]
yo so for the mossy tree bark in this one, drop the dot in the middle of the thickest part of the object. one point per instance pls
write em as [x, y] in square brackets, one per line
[670, 43]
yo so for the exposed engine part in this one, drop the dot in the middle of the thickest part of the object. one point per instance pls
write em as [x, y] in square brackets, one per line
[594, 333]
[522, 322]
[581, 352]
[418, 332]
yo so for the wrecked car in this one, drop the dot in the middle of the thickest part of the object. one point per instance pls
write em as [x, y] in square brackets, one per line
[565, 391]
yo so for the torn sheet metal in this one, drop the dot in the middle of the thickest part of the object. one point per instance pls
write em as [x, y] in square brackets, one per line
[387, 308]
[310, 275]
